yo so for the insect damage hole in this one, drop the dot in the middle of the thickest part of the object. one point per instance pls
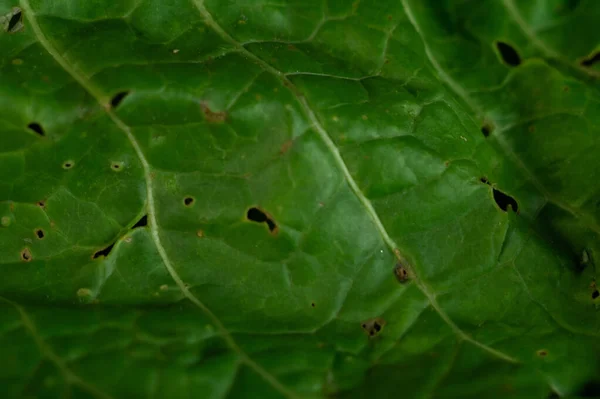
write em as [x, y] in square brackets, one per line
[37, 128]
[141, 223]
[212, 116]
[595, 294]
[591, 60]
[104, 252]
[118, 98]
[504, 201]
[373, 326]
[116, 166]
[68, 164]
[257, 215]
[26, 255]
[13, 21]
[508, 53]
[188, 201]
[39, 233]
[487, 129]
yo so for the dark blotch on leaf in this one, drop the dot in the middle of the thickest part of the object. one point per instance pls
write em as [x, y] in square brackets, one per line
[256, 215]
[373, 326]
[485, 180]
[504, 201]
[41, 204]
[117, 98]
[188, 201]
[542, 353]
[401, 273]
[211, 116]
[508, 53]
[37, 128]
[588, 62]
[104, 252]
[26, 255]
[40, 233]
[595, 294]
[142, 222]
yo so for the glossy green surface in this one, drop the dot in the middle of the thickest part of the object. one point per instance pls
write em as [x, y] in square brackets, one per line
[378, 262]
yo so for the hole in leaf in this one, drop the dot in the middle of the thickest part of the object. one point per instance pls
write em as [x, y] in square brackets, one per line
[508, 53]
[188, 201]
[486, 130]
[401, 273]
[141, 223]
[373, 326]
[117, 166]
[40, 233]
[504, 201]
[117, 98]
[211, 116]
[41, 204]
[485, 180]
[313, 304]
[37, 128]
[104, 252]
[68, 164]
[257, 215]
[26, 255]
[15, 23]
[591, 60]
[595, 294]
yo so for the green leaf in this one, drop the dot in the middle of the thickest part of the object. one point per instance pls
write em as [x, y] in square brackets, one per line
[300, 199]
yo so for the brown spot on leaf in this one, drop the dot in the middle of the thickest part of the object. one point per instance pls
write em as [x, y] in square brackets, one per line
[285, 146]
[26, 255]
[212, 116]
[200, 233]
[373, 327]
[401, 272]
[542, 353]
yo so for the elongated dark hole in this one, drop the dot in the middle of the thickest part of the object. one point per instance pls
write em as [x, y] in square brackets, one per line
[14, 20]
[142, 222]
[508, 53]
[588, 62]
[258, 216]
[104, 252]
[116, 100]
[504, 201]
[37, 128]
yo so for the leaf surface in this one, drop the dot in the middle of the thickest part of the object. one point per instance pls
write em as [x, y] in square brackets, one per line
[299, 199]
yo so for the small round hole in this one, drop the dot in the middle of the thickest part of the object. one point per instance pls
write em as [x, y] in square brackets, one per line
[68, 164]
[40, 234]
[117, 166]
[188, 201]
[26, 255]
[313, 304]
[41, 204]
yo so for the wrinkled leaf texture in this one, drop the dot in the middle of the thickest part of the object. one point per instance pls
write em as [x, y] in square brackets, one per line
[299, 198]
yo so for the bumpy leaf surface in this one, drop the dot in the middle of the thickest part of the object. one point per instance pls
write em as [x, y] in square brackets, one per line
[299, 198]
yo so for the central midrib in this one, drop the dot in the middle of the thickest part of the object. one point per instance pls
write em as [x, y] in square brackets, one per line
[210, 21]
